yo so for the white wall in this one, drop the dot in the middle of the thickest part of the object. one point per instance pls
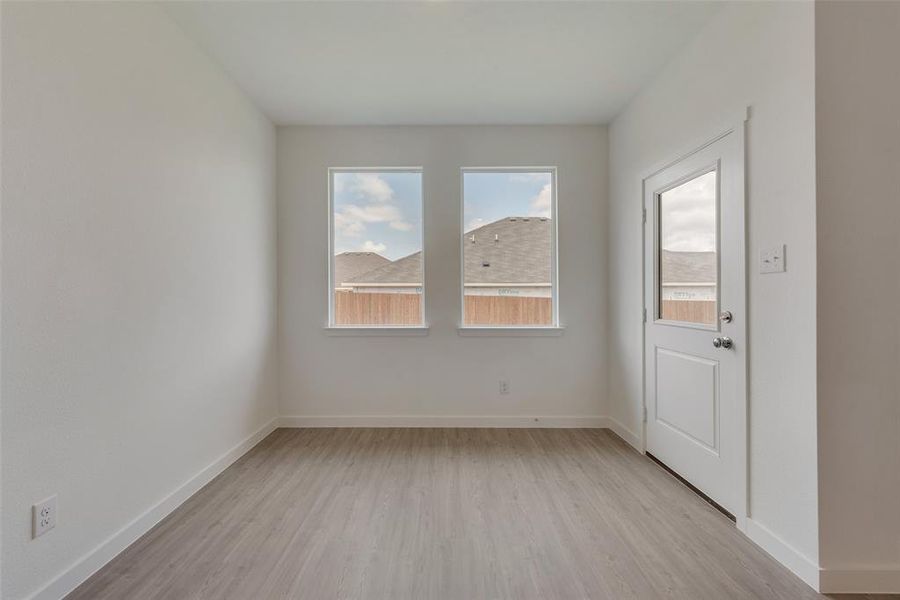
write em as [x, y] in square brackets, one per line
[759, 55]
[441, 374]
[858, 211]
[138, 275]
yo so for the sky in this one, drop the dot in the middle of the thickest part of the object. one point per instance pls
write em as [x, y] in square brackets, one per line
[378, 212]
[688, 216]
[492, 196]
[382, 211]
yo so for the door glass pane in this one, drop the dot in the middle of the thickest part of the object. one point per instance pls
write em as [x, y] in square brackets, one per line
[688, 273]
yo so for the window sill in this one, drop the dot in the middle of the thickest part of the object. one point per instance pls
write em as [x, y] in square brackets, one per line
[554, 331]
[413, 330]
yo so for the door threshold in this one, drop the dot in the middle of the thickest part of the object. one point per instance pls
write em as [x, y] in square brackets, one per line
[691, 487]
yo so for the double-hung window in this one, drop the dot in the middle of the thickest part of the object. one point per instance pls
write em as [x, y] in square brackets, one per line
[376, 263]
[509, 274]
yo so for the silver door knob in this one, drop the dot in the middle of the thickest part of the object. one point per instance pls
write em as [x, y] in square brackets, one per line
[723, 342]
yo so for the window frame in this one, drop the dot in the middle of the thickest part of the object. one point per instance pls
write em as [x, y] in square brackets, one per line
[363, 329]
[554, 328]
[713, 167]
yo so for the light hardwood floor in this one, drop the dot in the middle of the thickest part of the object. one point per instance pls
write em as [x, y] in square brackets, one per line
[456, 514]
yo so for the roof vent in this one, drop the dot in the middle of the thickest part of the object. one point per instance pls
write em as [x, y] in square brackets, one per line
[496, 237]
[485, 263]
[512, 218]
[525, 219]
[472, 238]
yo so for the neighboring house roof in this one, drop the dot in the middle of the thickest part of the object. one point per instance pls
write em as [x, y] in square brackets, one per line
[689, 267]
[406, 270]
[348, 265]
[510, 250]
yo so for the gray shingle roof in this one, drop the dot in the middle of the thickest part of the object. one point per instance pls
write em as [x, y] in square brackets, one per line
[403, 270]
[510, 250]
[688, 267]
[348, 265]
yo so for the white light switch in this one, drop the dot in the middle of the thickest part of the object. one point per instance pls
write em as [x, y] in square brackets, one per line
[771, 259]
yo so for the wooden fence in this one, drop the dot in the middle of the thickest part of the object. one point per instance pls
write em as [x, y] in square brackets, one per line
[351, 308]
[691, 311]
[508, 310]
[406, 309]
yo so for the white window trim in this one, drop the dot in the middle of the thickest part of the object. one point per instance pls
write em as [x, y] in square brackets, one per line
[514, 330]
[376, 330]
[387, 330]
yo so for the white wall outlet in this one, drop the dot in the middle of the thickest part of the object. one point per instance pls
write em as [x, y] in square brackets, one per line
[771, 260]
[43, 517]
[504, 386]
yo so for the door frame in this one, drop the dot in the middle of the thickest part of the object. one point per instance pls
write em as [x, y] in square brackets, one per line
[732, 125]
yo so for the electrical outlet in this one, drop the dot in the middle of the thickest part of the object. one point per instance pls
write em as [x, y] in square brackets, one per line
[504, 386]
[43, 517]
[771, 260]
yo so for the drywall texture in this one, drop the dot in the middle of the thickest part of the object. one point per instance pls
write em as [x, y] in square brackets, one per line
[758, 55]
[858, 212]
[441, 374]
[138, 272]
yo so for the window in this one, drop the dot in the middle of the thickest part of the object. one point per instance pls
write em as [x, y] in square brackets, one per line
[688, 238]
[509, 248]
[376, 248]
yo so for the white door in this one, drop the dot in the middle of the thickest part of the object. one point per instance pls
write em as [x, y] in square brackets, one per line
[695, 332]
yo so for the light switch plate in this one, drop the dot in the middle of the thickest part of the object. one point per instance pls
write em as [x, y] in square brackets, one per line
[771, 259]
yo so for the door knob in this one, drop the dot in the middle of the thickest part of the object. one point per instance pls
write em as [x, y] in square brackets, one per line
[723, 342]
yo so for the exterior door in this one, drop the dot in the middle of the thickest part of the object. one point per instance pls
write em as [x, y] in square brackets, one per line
[695, 331]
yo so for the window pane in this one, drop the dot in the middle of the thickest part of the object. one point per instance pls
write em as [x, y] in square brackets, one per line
[507, 254]
[688, 267]
[377, 248]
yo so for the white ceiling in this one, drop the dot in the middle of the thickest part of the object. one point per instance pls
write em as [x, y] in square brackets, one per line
[441, 62]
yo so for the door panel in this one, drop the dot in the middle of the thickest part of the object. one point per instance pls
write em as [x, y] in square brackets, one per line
[687, 396]
[695, 361]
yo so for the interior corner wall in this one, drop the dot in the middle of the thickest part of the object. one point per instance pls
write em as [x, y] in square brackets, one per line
[441, 377]
[858, 210]
[761, 55]
[138, 243]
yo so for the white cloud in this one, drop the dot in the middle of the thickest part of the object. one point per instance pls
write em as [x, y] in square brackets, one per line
[540, 204]
[370, 246]
[474, 224]
[539, 177]
[351, 219]
[688, 216]
[374, 203]
[370, 187]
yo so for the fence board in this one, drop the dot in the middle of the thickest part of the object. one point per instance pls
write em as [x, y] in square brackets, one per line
[405, 309]
[508, 310]
[690, 311]
[377, 309]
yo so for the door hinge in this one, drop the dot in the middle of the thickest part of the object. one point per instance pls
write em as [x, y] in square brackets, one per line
[645, 315]
[645, 414]
[643, 215]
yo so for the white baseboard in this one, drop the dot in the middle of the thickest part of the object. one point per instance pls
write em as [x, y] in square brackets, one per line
[859, 581]
[633, 439]
[563, 422]
[790, 557]
[91, 562]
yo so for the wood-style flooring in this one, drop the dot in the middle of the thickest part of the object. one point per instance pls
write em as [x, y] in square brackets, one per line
[455, 514]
